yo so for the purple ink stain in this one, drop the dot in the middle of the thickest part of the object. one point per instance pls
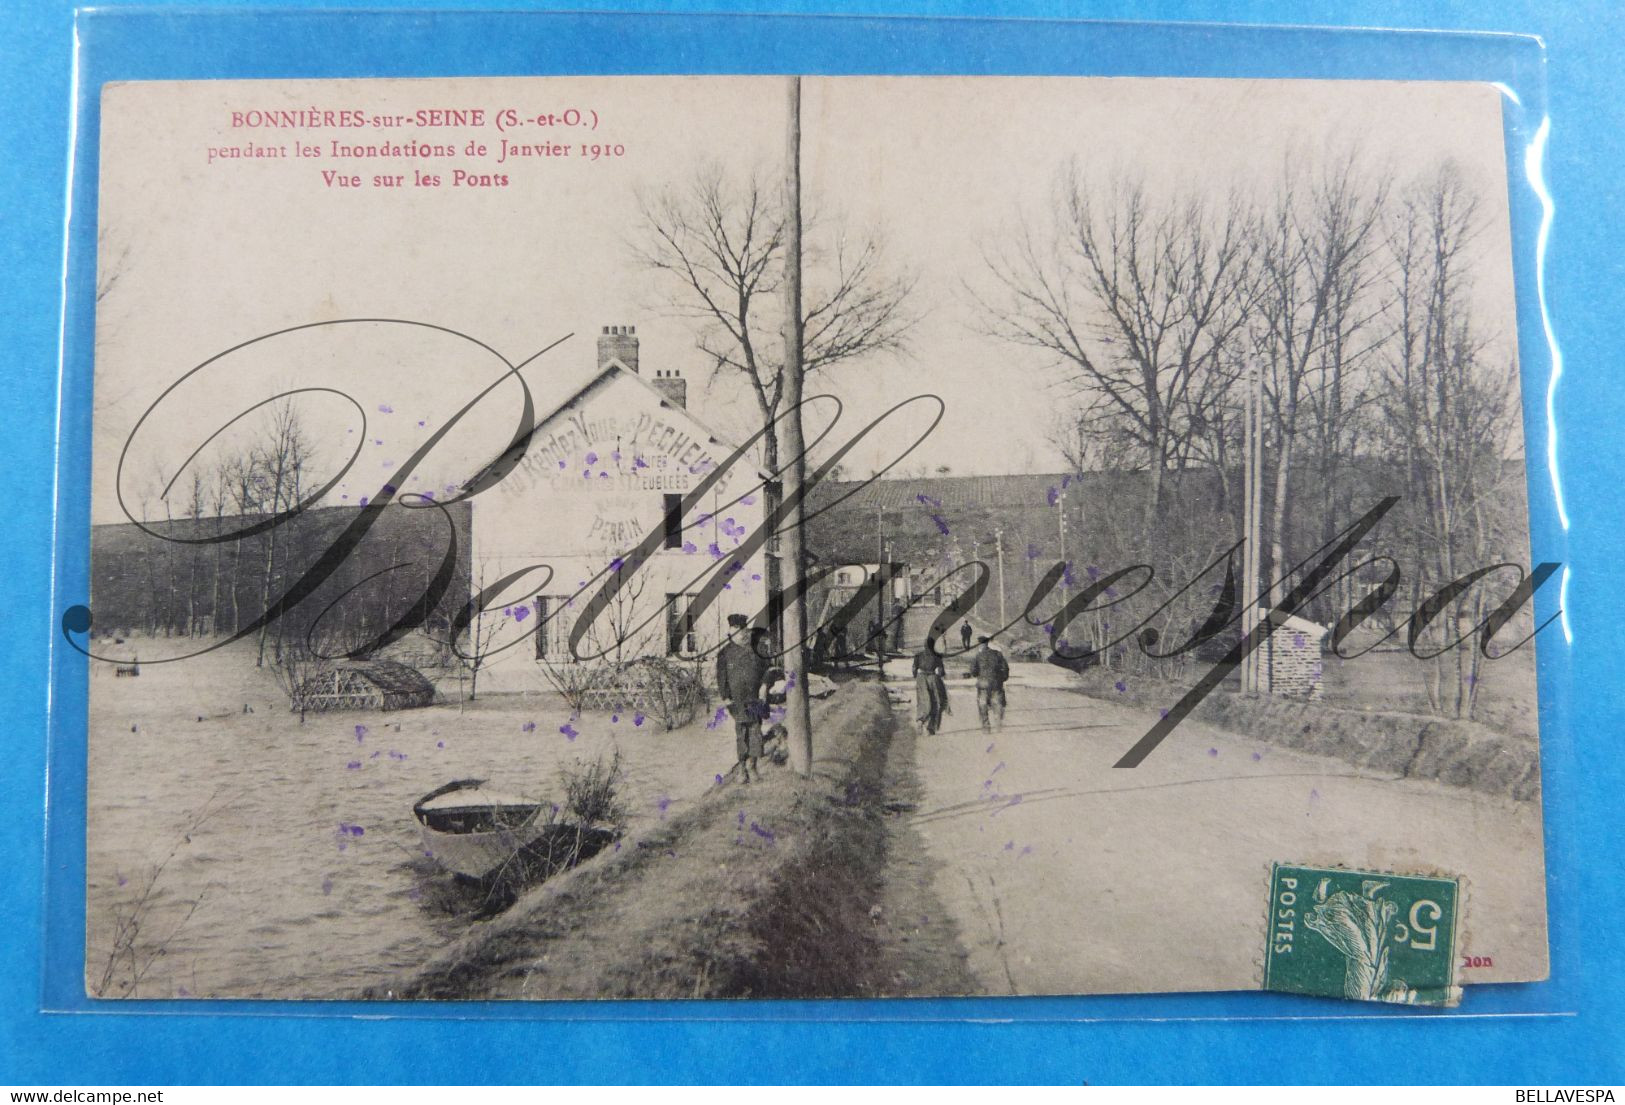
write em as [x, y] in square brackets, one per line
[1257, 756]
[1120, 686]
[1298, 641]
[385, 408]
[415, 893]
[520, 613]
[420, 422]
[617, 564]
[765, 834]
[1032, 552]
[1054, 495]
[989, 749]
[327, 886]
[375, 755]
[377, 441]
[561, 464]
[662, 804]
[427, 495]
[748, 500]
[637, 719]
[942, 526]
[586, 473]
[719, 780]
[569, 731]
[530, 727]
[363, 500]
[615, 719]
[722, 713]
[1212, 751]
[353, 765]
[1163, 713]
[690, 547]
[639, 462]
[1092, 572]
[440, 744]
[715, 550]
[592, 458]
[360, 732]
[122, 880]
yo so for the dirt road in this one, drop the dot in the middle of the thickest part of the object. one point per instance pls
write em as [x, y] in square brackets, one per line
[1066, 875]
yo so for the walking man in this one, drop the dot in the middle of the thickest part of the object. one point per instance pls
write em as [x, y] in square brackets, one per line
[742, 675]
[991, 671]
[964, 634]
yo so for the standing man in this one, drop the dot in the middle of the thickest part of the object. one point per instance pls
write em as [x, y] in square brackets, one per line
[964, 634]
[742, 673]
[991, 671]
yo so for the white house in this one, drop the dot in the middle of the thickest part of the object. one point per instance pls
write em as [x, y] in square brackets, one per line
[609, 468]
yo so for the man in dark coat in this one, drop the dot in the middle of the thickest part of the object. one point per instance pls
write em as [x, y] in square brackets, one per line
[742, 675]
[991, 671]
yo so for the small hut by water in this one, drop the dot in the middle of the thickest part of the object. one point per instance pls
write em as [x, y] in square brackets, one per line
[364, 685]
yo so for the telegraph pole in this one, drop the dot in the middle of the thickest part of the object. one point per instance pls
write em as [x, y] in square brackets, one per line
[798, 707]
[1060, 517]
[1251, 671]
[998, 538]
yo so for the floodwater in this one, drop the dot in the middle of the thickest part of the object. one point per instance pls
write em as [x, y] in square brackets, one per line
[287, 860]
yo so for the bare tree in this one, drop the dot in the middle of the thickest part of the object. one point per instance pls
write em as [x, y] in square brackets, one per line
[1137, 299]
[281, 461]
[1318, 257]
[719, 242]
[1451, 411]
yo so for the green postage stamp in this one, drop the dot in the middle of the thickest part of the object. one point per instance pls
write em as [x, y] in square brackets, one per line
[1363, 935]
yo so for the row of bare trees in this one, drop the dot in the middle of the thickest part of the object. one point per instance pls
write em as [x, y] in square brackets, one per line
[1353, 301]
[1344, 299]
[195, 585]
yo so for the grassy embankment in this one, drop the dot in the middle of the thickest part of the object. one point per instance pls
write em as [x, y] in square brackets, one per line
[1414, 745]
[759, 890]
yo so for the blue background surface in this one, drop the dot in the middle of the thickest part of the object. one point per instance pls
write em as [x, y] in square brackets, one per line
[1058, 1040]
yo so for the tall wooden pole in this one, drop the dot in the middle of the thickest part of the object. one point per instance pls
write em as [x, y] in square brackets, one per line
[1249, 549]
[798, 707]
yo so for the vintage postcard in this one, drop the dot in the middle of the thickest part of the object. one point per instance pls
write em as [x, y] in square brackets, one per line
[670, 537]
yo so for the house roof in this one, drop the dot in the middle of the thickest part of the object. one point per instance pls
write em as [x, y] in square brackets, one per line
[612, 368]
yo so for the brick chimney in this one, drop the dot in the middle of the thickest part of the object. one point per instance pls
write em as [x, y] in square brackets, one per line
[618, 343]
[670, 383]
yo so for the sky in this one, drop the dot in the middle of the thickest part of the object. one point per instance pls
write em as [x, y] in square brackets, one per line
[199, 256]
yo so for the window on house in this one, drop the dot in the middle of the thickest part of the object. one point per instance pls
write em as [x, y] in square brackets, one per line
[674, 521]
[553, 632]
[681, 639]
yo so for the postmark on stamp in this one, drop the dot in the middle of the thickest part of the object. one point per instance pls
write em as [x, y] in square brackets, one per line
[1363, 935]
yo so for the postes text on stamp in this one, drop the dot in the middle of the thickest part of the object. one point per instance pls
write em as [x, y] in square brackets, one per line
[1364, 935]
